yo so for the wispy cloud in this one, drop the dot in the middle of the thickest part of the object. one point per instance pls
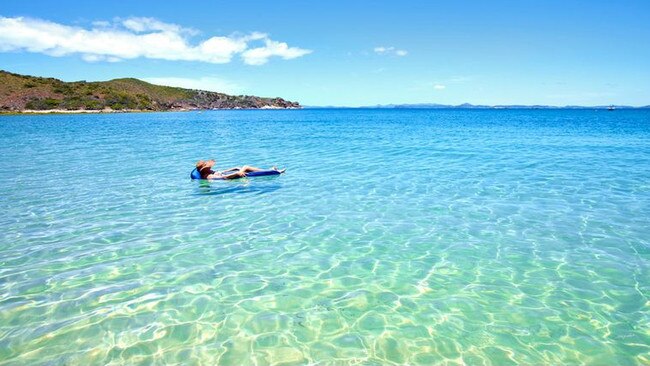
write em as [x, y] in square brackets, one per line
[143, 24]
[383, 50]
[260, 55]
[209, 83]
[131, 38]
[442, 83]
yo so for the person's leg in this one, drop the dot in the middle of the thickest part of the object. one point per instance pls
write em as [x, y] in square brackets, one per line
[247, 169]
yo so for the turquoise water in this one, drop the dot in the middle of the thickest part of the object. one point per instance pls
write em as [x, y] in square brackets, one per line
[395, 237]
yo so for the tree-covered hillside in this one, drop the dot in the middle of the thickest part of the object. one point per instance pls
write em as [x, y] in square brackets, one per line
[21, 92]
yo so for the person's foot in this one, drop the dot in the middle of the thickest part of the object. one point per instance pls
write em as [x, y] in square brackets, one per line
[278, 170]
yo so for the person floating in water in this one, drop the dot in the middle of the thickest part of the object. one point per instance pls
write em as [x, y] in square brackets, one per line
[204, 167]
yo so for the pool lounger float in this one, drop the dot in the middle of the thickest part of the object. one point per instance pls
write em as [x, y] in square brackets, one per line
[196, 175]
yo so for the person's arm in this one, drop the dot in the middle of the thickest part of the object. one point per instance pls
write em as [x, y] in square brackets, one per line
[239, 174]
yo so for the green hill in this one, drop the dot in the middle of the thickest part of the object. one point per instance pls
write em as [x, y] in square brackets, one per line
[20, 92]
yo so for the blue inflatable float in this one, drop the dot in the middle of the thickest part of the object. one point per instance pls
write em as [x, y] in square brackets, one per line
[196, 175]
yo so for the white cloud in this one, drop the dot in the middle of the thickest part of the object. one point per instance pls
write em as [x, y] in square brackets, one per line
[98, 58]
[260, 55]
[92, 58]
[210, 83]
[439, 87]
[101, 24]
[143, 24]
[137, 37]
[382, 50]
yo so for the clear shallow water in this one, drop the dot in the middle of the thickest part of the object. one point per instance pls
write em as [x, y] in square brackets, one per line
[419, 237]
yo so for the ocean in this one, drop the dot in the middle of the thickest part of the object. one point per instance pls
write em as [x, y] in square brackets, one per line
[480, 237]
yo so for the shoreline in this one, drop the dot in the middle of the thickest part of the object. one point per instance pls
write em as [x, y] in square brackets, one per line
[67, 111]
[110, 111]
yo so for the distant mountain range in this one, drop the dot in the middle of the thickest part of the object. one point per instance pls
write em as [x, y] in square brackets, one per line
[23, 93]
[20, 93]
[478, 106]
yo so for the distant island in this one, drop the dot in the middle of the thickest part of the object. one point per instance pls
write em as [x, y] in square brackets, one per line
[22, 93]
[479, 106]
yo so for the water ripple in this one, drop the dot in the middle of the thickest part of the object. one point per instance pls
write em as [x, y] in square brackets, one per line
[395, 237]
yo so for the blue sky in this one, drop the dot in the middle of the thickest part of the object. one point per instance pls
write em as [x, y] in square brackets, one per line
[346, 53]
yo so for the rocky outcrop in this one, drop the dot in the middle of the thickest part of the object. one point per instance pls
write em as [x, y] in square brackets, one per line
[20, 92]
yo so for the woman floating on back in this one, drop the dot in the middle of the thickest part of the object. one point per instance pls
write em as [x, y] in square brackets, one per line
[204, 168]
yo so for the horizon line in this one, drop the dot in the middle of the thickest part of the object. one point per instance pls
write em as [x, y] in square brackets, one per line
[478, 106]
